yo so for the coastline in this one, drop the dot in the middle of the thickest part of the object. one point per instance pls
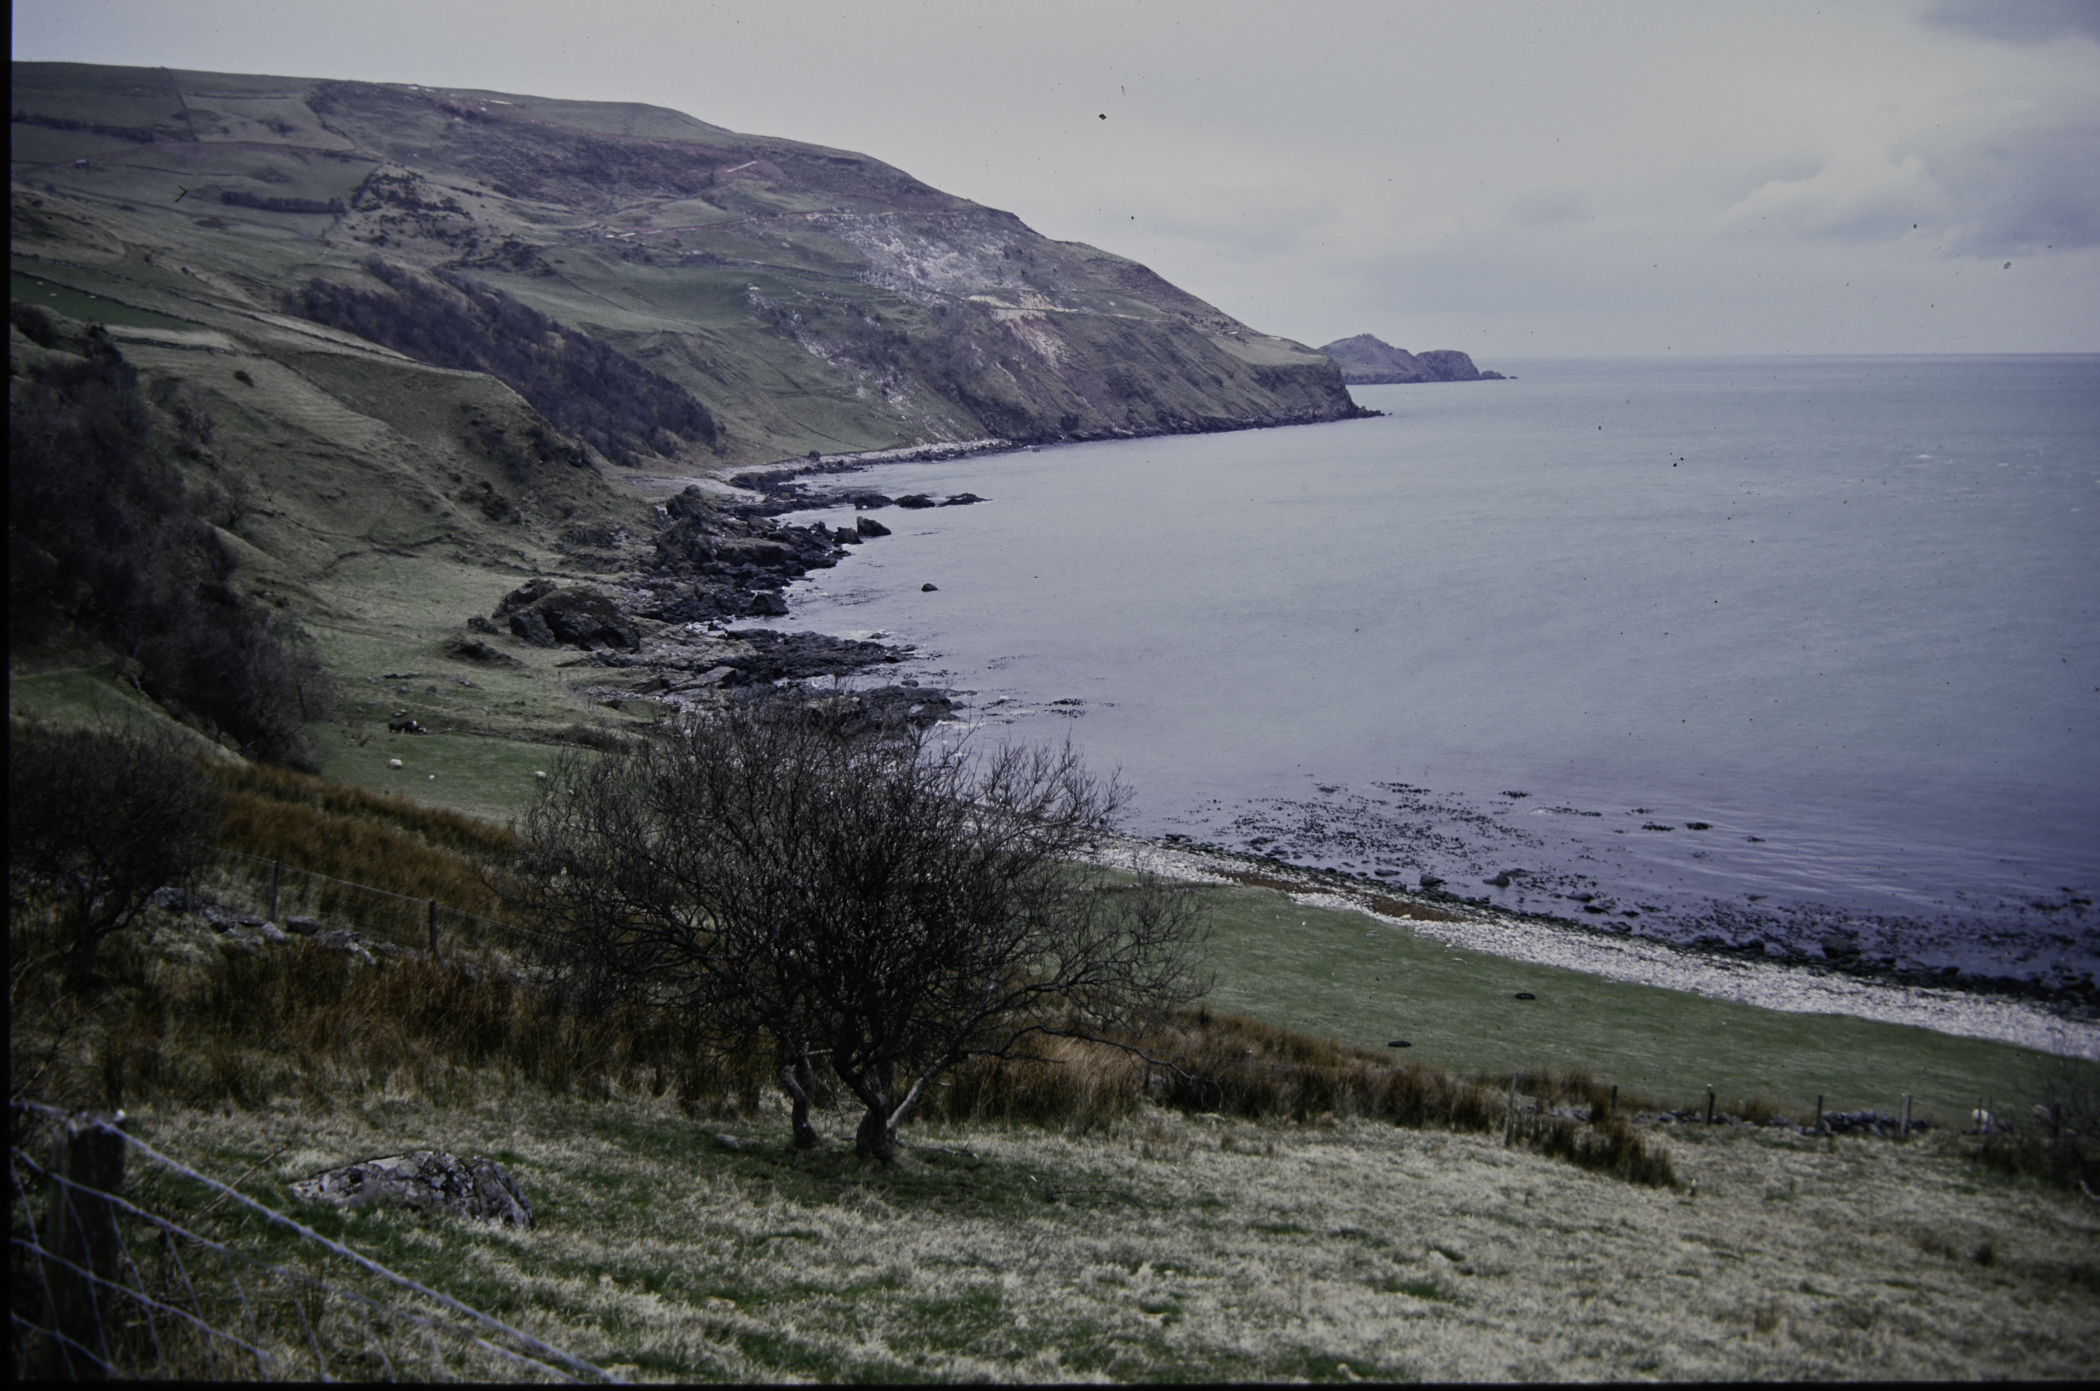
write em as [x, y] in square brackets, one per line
[1792, 989]
[1985, 1010]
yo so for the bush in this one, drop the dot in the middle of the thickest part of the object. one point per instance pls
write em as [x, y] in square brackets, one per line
[97, 819]
[865, 903]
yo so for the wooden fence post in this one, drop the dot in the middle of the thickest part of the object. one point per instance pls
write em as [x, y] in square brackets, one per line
[1819, 1113]
[1906, 1113]
[274, 867]
[80, 1246]
[434, 928]
[1709, 1105]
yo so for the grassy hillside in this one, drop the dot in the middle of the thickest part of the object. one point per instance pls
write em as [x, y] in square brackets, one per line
[811, 298]
[409, 349]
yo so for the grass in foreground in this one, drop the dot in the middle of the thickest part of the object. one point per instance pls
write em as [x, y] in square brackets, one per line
[1256, 1230]
[1176, 1247]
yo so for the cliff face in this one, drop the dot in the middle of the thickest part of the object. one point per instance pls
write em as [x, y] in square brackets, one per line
[1368, 361]
[804, 298]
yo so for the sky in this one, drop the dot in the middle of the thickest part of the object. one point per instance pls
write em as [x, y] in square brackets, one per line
[1512, 179]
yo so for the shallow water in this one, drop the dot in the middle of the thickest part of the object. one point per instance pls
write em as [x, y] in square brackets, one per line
[1841, 612]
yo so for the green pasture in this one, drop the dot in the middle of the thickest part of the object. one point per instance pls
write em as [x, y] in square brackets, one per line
[484, 777]
[79, 304]
[1351, 977]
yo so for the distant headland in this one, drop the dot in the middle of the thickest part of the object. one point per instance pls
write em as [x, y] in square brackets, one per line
[1368, 361]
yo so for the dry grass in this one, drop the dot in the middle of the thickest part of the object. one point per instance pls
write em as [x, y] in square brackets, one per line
[1172, 1246]
[347, 833]
[1046, 1222]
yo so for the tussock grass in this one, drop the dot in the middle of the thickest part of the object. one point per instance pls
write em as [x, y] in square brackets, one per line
[348, 833]
[1152, 1249]
[435, 827]
[1612, 1147]
[301, 1021]
[2069, 1160]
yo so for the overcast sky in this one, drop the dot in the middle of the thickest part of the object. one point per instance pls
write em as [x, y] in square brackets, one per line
[1512, 179]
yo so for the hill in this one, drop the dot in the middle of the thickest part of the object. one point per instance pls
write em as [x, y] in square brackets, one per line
[808, 298]
[415, 358]
[1368, 361]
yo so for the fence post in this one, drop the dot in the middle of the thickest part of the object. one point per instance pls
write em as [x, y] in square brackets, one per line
[1819, 1114]
[1709, 1105]
[273, 890]
[434, 928]
[80, 1246]
[1906, 1113]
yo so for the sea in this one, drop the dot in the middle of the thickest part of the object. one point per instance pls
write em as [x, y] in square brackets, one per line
[1796, 656]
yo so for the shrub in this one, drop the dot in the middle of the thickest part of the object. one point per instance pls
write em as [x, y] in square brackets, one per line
[861, 902]
[97, 819]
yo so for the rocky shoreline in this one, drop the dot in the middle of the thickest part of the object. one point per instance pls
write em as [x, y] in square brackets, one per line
[678, 623]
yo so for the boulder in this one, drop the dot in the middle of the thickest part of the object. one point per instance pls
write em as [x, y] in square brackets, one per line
[525, 596]
[767, 603]
[690, 503]
[531, 625]
[868, 526]
[475, 650]
[916, 500]
[576, 617]
[425, 1181]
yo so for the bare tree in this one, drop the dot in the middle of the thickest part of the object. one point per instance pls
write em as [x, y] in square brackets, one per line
[98, 819]
[869, 904]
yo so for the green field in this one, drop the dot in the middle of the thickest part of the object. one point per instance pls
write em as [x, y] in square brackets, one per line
[1355, 978]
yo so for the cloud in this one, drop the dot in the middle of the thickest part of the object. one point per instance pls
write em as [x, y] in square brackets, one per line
[2020, 191]
[2018, 21]
[1544, 206]
[1865, 196]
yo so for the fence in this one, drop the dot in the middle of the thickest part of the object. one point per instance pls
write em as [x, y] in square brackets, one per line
[279, 891]
[104, 1285]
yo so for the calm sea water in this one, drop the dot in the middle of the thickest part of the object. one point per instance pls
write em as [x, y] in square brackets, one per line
[1764, 644]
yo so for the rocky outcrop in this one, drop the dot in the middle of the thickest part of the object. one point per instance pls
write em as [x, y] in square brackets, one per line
[1368, 361]
[425, 1181]
[545, 615]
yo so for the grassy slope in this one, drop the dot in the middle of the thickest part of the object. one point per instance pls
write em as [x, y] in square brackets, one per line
[1177, 1248]
[1366, 982]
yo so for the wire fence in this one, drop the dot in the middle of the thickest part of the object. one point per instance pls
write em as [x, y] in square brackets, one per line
[282, 894]
[108, 1276]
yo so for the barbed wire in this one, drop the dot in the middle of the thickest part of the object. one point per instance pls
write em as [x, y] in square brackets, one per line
[118, 1290]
